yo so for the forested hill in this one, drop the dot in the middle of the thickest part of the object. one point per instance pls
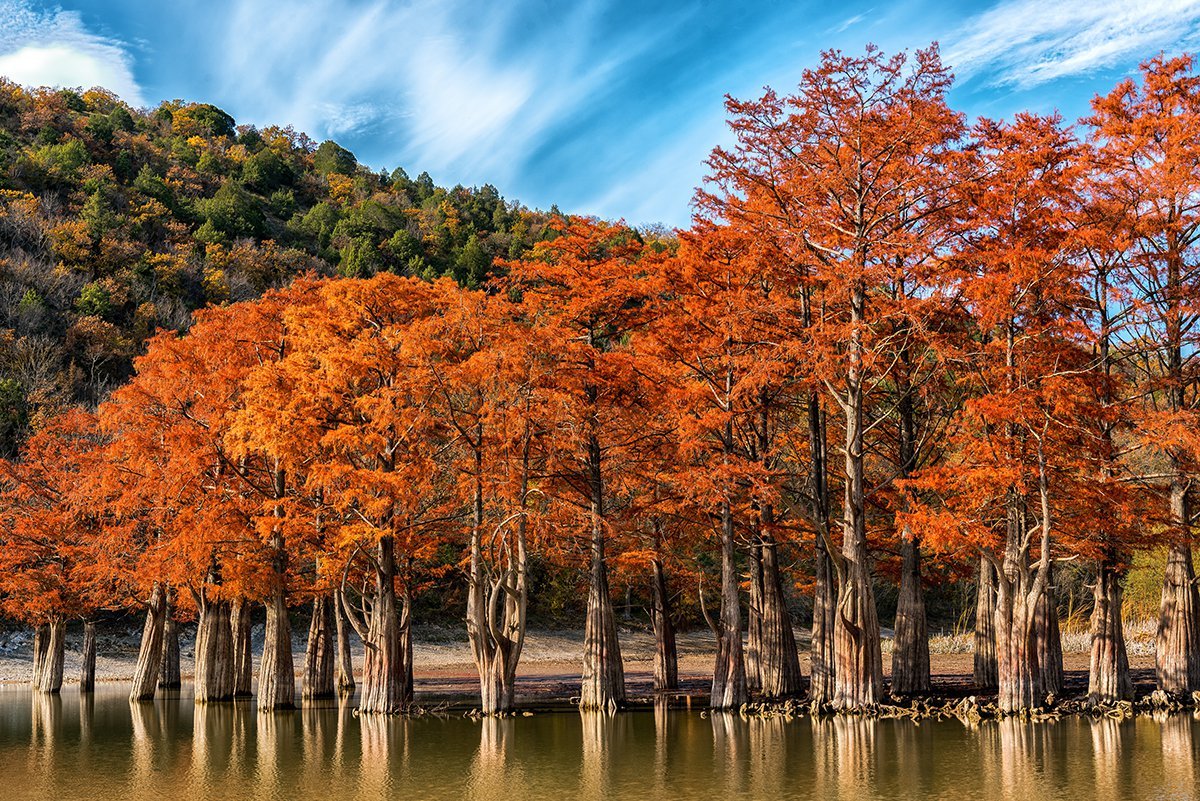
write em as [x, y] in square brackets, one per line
[115, 222]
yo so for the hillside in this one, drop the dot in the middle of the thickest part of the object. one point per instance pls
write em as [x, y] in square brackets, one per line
[115, 222]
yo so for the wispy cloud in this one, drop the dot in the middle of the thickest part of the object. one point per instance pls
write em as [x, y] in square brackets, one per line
[54, 48]
[459, 92]
[1024, 43]
[849, 22]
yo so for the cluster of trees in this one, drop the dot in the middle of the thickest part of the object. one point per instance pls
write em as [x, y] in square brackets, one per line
[116, 222]
[888, 332]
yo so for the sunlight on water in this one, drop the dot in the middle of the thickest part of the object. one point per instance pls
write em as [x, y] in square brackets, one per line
[71, 747]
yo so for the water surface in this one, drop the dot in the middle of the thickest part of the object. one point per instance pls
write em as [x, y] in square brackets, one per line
[103, 747]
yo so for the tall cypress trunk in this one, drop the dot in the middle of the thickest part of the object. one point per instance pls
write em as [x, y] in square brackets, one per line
[754, 621]
[858, 681]
[822, 657]
[41, 639]
[1177, 645]
[910, 654]
[214, 651]
[241, 624]
[345, 657]
[1020, 589]
[145, 673]
[87, 669]
[49, 656]
[169, 673]
[779, 660]
[384, 680]
[986, 670]
[910, 649]
[666, 659]
[1108, 675]
[276, 671]
[1049, 639]
[319, 654]
[496, 597]
[603, 672]
[729, 676]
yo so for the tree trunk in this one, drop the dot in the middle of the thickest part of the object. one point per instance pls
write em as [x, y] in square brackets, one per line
[1020, 589]
[603, 672]
[1108, 675]
[779, 662]
[822, 657]
[986, 675]
[666, 660]
[214, 652]
[319, 655]
[169, 674]
[858, 679]
[276, 671]
[49, 655]
[729, 676]
[754, 621]
[145, 674]
[41, 639]
[87, 669]
[1177, 646]
[241, 620]
[345, 657]
[1049, 640]
[384, 682]
[910, 653]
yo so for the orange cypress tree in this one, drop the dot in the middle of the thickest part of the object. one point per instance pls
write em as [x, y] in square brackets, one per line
[586, 291]
[846, 174]
[1147, 139]
[48, 550]
[349, 408]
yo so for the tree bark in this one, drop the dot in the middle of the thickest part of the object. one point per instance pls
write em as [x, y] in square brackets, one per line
[729, 676]
[666, 659]
[858, 679]
[276, 671]
[384, 680]
[779, 661]
[214, 651]
[1049, 639]
[603, 672]
[241, 620]
[986, 671]
[1108, 675]
[345, 657]
[754, 621]
[1020, 588]
[320, 652]
[910, 653]
[169, 674]
[49, 656]
[822, 657]
[145, 674]
[87, 669]
[1177, 646]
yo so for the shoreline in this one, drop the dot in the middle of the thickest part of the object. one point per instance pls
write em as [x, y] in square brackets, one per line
[550, 672]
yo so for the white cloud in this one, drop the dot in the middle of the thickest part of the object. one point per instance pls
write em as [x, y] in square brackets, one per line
[56, 49]
[465, 89]
[1029, 42]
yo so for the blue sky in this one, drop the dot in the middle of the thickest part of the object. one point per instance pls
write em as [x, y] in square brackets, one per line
[604, 107]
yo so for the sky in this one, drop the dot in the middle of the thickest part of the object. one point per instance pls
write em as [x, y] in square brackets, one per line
[604, 107]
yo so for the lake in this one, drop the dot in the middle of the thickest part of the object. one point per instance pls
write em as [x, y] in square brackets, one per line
[103, 747]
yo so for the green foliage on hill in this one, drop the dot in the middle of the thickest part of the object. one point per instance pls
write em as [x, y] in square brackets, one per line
[115, 222]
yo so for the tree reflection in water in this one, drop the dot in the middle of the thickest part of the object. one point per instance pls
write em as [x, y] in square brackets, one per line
[493, 775]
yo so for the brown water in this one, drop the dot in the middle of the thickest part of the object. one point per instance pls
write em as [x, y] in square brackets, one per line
[105, 748]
